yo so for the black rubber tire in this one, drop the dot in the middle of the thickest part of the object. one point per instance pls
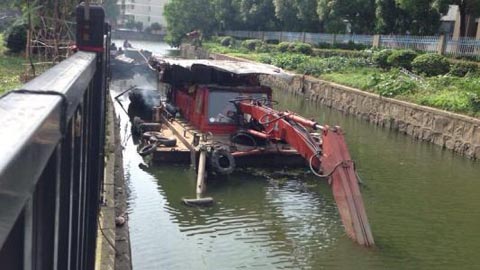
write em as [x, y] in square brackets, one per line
[147, 149]
[144, 127]
[168, 142]
[222, 161]
[159, 138]
[149, 134]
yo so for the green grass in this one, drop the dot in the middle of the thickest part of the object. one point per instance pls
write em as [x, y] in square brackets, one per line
[456, 94]
[359, 78]
[11, 69]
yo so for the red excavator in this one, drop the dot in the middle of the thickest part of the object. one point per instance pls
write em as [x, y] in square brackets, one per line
[217, 112]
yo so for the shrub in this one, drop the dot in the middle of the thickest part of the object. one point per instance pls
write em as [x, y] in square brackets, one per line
[380, 58]
[16, 38]
[452, 100]
[401, 58]
[350, 46]
[227, 41]
[460, 69]
[284, 46]
[392, 84]
[326, 53]
[156, 26]
[252, 44]
[317, 66]
[266, 59]
[272, 41]
[324, 45]
[263, 48]
[288, 61]
[304, 48]
[430, 64]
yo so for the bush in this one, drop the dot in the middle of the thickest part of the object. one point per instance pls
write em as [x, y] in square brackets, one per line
[252, 44]
[460, 69]
[304, 48]
[156, 26]
[401, 58]
[350, 46]
[272, 41]
[324, 45]
[16, 38]
[392, 84]
[227, 41]
[284, 46]
[458, 101]
[326, 53]
[318, 66]
[430, 64]
[288, 61]
[380, 58]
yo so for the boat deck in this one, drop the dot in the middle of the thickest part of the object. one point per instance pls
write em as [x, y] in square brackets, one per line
[272, 155]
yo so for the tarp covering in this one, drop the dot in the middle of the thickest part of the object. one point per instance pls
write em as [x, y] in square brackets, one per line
[234, 67]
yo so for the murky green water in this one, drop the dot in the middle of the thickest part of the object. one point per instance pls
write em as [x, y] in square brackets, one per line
[422, 203]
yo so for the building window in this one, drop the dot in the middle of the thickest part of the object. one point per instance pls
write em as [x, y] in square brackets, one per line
[148, 19]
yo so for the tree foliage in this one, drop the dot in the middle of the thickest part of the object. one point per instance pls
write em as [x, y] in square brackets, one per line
[418, 17]
[112, 10]
[184, 16]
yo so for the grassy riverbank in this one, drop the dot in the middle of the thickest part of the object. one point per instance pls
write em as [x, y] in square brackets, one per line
[11, 69]
[360, 69]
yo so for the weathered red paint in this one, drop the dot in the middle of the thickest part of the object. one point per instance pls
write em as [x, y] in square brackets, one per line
[193, 104]
[336, 159]
[332, 157]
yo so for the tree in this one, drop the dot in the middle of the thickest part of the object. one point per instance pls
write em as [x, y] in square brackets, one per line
[112, 10]
[184, 16]
[139, 26]
[258, 14]
[335, 14]
[423, 16]
[227, 15]
[297, 15]
[386, 16]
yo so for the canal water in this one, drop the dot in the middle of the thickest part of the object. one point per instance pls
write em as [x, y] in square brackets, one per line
[422, 202]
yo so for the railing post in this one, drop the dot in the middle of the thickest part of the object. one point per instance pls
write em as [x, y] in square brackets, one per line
[442, 45]
[477, 36]
[303, 37]
[90, 37]
[376, 41]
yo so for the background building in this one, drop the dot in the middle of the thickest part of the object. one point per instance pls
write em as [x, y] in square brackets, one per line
[144, 11]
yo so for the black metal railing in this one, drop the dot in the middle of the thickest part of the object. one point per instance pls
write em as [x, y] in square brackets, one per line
[52, 158]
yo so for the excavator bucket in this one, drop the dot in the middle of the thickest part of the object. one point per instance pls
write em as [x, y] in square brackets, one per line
[336, 161]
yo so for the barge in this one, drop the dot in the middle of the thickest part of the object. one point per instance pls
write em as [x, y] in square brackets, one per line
[215, 115]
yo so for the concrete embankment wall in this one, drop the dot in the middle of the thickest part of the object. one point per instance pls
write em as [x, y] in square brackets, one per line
[449, 130]
[113, 242]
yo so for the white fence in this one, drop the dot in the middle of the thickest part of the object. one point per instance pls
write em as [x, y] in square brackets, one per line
[469, 47]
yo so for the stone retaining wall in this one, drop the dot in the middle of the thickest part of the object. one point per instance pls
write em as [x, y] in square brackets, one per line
[449, 130]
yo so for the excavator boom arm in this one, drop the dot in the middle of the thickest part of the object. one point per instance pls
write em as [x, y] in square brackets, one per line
[329, 155]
